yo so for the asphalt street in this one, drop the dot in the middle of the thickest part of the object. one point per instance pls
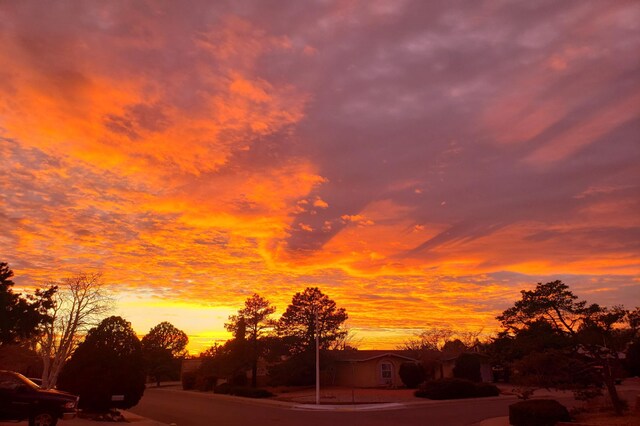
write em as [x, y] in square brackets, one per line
[205, 409]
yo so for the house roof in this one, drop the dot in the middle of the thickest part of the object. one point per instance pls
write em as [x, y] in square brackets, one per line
[366, 355]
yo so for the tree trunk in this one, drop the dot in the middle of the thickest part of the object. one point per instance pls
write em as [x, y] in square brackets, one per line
[611, 387]
[254, 364]
[254, 373]
[58, 362]
[46, 363]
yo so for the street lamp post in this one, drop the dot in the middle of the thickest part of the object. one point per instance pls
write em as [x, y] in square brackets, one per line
[317, 362]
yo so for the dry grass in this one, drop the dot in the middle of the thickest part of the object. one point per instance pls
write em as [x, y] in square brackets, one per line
[608, 419]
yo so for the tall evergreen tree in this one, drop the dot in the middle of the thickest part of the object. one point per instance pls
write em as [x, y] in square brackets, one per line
[253, 322]
[311, 312]
[21, 317]
[109, 362]
[162, 347]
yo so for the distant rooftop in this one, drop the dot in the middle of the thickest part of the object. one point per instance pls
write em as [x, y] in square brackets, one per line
[366, 355]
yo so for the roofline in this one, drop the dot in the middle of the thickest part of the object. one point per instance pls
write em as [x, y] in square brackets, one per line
[379, 356]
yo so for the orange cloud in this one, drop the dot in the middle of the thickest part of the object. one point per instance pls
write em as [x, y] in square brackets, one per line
[196, 158]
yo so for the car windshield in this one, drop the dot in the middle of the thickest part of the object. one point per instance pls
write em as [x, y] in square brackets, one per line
[26, 381]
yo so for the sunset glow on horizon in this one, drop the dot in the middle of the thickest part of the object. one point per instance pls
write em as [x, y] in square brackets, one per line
[419, 163]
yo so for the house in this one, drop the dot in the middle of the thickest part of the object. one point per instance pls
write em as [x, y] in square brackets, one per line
[447, 364]
[367, 368]
[20, 359]
[190, 365]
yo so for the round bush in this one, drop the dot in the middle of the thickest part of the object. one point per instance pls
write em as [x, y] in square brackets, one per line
[447, 389]
[486, 389]
[411, 374]
[456, 389]
[223, 388]
[251, 392]
[107, 364]
[239, 379]
[538, 412]
[205, 383]
[188, 380]
[468, 367]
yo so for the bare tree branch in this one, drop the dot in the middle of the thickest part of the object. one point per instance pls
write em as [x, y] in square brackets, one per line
[80, 304]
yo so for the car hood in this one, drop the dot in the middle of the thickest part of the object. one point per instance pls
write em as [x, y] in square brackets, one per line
[58, 394]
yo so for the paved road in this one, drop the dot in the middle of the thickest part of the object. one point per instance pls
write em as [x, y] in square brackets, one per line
[188, 408]
[206, 409]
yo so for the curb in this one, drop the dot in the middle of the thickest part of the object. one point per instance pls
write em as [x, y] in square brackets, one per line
[350, 407]
[139, 420]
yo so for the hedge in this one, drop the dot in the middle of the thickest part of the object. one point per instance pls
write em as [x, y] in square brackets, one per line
[247, 392]
[456, 389]
[188, 380]
[538, 412]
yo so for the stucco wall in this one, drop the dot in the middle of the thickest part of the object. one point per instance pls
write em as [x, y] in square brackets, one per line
[367, 374]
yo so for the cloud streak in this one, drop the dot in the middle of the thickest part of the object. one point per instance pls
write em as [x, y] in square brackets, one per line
[407, 157]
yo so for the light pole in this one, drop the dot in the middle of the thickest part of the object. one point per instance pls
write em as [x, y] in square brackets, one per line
[317, 361]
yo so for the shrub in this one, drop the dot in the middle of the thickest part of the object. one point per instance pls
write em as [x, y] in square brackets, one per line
[447, 389]
[412, 374]
[248, 392]
[632, 361]
[223, 388]
[188, 380]
[205, 383]
[538, 412]
[299, 370]
[486, 389]
[109, 362]
[468, 367]
[456, 389]
[239, 379]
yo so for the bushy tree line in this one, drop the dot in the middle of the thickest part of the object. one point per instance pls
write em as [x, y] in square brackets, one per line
[257, 335]
[100, 359]
[22, 316]
[109, 368]
[551, 338]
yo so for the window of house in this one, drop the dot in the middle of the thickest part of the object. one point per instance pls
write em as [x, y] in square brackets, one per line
[386, 368]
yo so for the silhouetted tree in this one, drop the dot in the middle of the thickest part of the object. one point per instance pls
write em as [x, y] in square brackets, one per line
[411, 374]
[560, 369]
[162, 347]
[468, 367]
[297, 325]
[80, 304]
[431, 339]
[109, 362]
[632, 360]
[454, 347]
[600, 336]
[21, 317]
[552, 302]
[589, 328]
[228, 361]
[253, 322]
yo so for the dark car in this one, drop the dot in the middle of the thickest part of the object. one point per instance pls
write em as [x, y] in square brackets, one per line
[21, 399]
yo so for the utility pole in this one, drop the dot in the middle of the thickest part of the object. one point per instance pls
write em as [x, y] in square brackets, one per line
[317, 361]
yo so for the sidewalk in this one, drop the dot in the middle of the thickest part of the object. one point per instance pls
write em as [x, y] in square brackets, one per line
[129, 417]
[339, 395]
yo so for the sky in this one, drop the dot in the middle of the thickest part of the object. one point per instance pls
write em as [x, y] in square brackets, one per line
[419, 162]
